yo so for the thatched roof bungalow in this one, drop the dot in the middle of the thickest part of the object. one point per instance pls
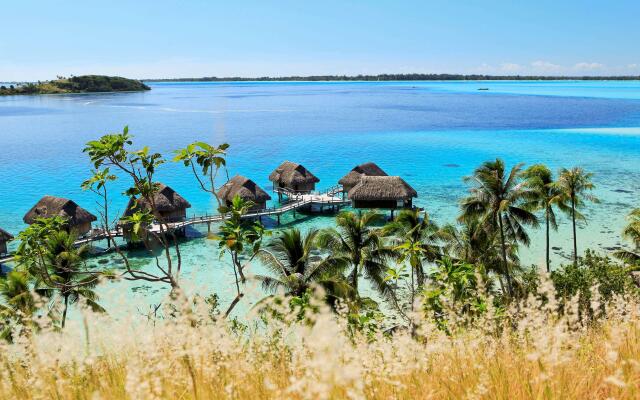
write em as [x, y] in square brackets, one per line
[353, 177]
[294, 177]
[387, 192]
[246, 189]
[169, 204]
[77, 217]
[4, 238]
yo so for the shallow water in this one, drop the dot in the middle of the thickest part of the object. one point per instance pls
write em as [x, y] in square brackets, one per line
[431, 133]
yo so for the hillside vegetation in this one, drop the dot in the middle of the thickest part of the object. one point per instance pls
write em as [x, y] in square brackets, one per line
[77, 84]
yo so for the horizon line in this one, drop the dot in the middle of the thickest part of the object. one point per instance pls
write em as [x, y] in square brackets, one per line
[394, 77]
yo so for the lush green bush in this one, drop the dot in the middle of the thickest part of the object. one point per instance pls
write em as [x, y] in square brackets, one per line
[594, 276]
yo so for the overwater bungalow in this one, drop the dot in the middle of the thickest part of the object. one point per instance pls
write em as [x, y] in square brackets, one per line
[169, 204]
[385, 192]
[4, 238]
[293, 177]
[78, 218]
[353, 177]
[246, 189]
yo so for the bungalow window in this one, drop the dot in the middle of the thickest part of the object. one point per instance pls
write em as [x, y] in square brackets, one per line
[400, 203]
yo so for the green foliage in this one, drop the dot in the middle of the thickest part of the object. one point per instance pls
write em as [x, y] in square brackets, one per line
[367, 323]
[592, 272]
[98, 180]
[295, 270]
[33, 243]
[237, 232]
[281, 308]
[455, 286]
[137, 224]
[204, 155]
[631, 233]
[109, 148]
[18, 305]
[417, 240]
[210, 159]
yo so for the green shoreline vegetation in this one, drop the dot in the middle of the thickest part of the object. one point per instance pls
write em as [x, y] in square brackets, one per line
[75, 84]
[462, 307]
[400, 77]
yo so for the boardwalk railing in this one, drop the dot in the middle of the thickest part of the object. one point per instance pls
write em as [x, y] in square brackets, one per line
[332, 191]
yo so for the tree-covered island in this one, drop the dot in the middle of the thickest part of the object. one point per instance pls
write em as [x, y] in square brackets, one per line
[76, 84]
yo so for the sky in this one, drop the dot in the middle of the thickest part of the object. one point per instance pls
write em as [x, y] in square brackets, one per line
[193, 38]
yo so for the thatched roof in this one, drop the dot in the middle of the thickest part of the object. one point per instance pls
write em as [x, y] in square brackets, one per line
[5, 236]
[166, 200]
[51, 206]
[290, 173]
[382, 188]
[243, 187]
[366, 169]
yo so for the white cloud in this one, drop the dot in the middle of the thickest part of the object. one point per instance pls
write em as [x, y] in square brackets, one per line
[510, 67]
[585, 66]
[483, 68]
[633, 66]
[545, 66]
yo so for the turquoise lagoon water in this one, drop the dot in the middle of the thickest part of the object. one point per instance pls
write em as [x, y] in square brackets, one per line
[431, 133]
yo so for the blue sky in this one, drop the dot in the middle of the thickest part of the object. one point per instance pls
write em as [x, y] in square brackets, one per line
[155, 39]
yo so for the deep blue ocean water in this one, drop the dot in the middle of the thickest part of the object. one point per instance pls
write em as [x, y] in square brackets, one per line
[431, 133]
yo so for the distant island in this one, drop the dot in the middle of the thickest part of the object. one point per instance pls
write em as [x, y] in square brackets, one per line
[402, 77]
[76, 84]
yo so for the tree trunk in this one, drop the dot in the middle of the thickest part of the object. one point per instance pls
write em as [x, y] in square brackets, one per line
[413, 291]
[548, 257]
[505, 264]
[575, 240]
[420, 275]
[106, 218]
[233, 304]
[354, 279]
[64, 312]
[238, 265]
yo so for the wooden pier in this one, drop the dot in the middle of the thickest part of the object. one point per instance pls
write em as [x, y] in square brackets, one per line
[330, 198]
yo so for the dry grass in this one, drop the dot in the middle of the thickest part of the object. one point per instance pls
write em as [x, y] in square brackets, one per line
[543, 357]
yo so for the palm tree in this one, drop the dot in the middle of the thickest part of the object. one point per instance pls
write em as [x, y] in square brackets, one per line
[575, 183]
[359, 244]
[632, 233]
[289, 257]
[66, 272]
[496, 199]
[546, 194]
[417, 239]
[19, 303]
[470, 242]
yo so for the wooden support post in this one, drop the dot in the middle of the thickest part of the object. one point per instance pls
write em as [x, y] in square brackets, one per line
[208, 227]
[278, 215]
